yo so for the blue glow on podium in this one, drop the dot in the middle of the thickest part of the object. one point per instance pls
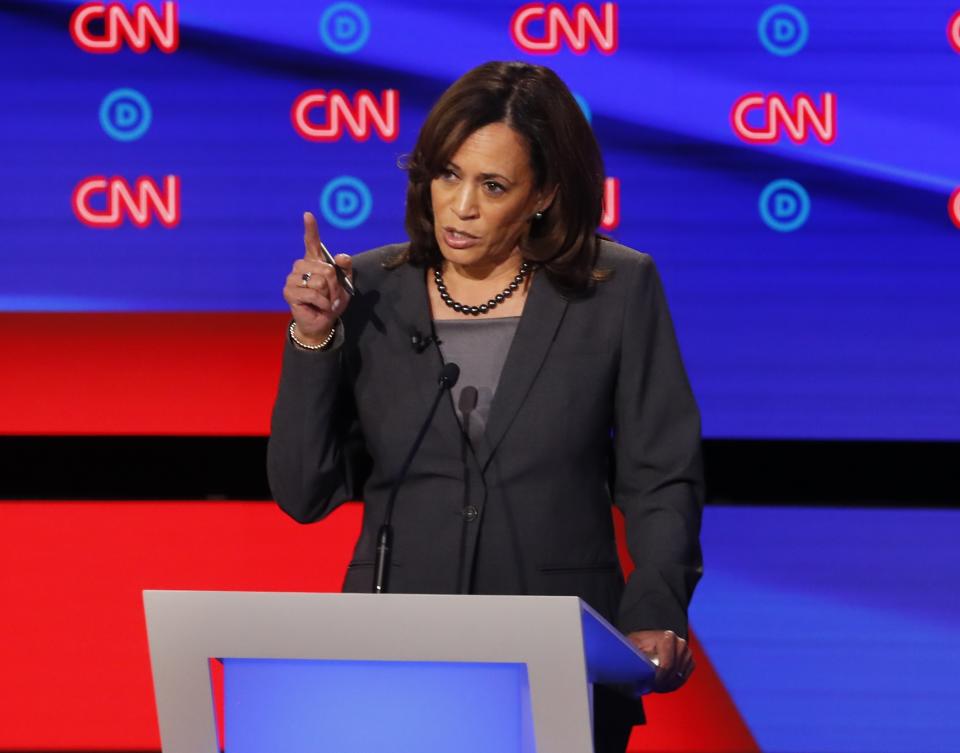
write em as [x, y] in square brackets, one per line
[309, 706]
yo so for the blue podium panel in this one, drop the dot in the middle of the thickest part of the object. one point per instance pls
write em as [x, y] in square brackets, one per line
[314, 706]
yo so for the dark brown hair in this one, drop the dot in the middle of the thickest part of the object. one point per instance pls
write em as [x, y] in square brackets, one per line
[535, 103]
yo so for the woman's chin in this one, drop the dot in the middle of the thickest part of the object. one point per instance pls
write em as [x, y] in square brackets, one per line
[463, 257]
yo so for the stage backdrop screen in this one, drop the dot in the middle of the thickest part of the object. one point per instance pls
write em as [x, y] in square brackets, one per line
[792, 168]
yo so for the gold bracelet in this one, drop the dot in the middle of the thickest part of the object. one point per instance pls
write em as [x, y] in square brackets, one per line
[321, 346]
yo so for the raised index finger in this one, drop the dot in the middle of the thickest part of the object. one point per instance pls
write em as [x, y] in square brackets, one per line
[311, 237]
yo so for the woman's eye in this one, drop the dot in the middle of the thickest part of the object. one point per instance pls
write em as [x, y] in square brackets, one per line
[494, 187]
[447, 175]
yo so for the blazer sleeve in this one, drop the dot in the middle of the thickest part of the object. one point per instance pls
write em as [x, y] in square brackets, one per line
[658, 472]
[315, 455]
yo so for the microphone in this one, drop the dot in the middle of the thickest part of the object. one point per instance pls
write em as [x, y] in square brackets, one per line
[466, 404]
[449, 375]
[420, 342]
[381, 566]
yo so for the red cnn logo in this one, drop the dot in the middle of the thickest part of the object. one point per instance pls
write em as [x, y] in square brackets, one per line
[140, 203]
[357, 116]
[138, 28]
[578, 28]
[796, 121]
[953, 31]
[953, 207]
[611, 204]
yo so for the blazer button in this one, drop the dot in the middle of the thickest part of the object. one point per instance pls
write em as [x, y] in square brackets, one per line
[470, 513]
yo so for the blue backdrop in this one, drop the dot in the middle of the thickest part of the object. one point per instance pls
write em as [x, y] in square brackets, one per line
[826, 306]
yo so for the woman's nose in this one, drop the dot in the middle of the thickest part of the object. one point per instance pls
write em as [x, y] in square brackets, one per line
[465, 201]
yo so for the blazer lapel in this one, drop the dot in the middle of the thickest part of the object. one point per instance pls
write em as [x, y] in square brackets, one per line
[541, 317]
[406, 293]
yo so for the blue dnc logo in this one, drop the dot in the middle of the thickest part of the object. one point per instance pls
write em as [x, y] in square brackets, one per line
[346, 202]
[783, 30]
[344, 27]
[784, 205]
[125, 114]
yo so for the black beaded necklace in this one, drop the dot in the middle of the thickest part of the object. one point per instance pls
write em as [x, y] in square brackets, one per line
[483, 308]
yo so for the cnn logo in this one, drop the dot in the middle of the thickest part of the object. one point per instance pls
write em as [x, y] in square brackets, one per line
[796, 121]
[579, 28]
[140, 203]
[360, 117]
[138, 28]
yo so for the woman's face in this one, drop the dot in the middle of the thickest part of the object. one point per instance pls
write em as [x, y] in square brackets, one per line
[484, 199]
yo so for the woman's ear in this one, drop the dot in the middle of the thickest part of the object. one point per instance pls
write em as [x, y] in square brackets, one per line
[544, 204]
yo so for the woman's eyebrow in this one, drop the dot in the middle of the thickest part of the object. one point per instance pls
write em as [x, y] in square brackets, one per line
[483, 176]
[488, 176]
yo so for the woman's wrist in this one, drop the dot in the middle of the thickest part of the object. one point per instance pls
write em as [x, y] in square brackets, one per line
[309, 343]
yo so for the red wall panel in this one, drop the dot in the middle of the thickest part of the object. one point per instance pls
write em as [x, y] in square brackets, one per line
[174, 373]
[72, 637]
[73, 648]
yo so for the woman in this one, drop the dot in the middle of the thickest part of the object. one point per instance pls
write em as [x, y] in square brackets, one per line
[563, 335]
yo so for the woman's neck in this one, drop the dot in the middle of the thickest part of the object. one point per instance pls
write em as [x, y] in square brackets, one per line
[475, 284]
[484, 274]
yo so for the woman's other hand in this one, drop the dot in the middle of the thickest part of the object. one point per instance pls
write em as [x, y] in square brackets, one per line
[670, 653]
[317, 301]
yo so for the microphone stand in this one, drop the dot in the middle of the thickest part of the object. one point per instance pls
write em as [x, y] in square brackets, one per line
[381, 565]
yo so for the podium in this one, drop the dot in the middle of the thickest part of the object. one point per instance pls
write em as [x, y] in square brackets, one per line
[410, 673]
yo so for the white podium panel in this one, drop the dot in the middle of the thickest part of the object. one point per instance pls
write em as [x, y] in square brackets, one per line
[544, 651]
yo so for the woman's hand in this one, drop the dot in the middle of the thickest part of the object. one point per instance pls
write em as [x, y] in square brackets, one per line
[670, 653]
[317, 303]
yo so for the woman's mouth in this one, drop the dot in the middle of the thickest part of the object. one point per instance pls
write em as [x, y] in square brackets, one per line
[459, 239]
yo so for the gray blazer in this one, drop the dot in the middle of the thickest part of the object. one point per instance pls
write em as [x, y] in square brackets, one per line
[593, 407]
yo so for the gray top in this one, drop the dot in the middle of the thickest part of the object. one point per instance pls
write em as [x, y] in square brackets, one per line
[479, 347]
